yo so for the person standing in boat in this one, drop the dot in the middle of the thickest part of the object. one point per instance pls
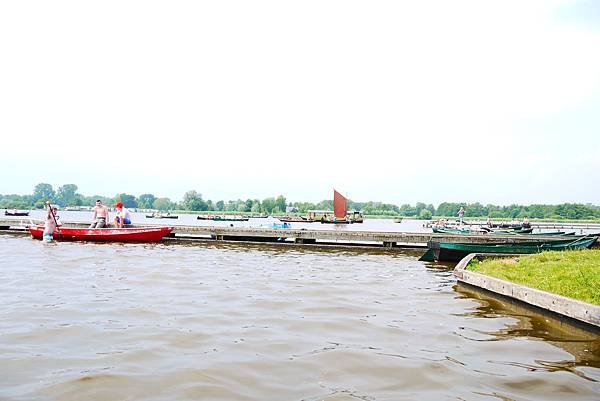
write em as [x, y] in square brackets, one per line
[100, 216]
[526, 223]
[461, 214]
[123, 216]
[51, 223]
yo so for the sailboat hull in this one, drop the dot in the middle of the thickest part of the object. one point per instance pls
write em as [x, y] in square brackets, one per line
[336, 222]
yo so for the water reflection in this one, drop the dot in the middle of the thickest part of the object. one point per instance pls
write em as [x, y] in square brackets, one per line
[582, 343]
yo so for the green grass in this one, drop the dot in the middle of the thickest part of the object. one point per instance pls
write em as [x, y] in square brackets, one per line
[573, 274]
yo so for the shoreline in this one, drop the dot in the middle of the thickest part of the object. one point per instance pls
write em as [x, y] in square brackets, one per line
[581, 313]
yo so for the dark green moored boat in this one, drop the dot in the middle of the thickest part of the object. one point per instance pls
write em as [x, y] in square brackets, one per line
[455, 251]
[515, 231]
[548, 234]
[468, 231]
[509, 231]
[523, 232]
[449, 230]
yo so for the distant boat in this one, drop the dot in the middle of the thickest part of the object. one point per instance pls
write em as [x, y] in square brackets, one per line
[340, 212]
[398, 220]
[222, 218]
[318, 215]
[455, 251]
[334, 221]
[162, 216]
[295, 219]
[15, 212]
[356, 216]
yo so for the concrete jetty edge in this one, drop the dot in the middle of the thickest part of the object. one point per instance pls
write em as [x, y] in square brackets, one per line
[579, 311]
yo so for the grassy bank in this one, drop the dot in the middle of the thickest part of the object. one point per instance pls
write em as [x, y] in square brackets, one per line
[573, 274]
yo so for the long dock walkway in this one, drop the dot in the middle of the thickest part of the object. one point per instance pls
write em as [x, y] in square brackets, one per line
[302, 236]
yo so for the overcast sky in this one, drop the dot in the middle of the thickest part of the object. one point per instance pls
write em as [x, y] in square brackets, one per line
[394, 101]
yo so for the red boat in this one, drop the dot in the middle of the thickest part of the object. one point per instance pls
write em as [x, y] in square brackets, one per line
[128, 234]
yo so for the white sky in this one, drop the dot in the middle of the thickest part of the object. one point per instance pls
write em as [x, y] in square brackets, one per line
[393, 101]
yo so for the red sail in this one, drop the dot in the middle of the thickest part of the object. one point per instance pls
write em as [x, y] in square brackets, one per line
[340, 205]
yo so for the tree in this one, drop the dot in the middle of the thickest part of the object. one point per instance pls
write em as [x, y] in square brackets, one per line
[303, 207]
[146, 201]
[163, 204]
[129, 201]
[425, 214]
[220, 206]
[512, 211]
[268, 205]
[407, 210]
[475, 210]
[448, 209]
[15, 201]
[192, 200]
[43, 192]
[66, 195]
[280, 203]
[537, 211]
[232, 206]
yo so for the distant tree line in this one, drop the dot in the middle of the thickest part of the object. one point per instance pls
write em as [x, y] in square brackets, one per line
[571, 211]
[66, 195]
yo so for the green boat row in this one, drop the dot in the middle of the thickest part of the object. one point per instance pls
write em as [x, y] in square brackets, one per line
[483, 230]
[525, 232]
[455, 251]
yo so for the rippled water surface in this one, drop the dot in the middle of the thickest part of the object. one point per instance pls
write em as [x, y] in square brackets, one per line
[83, 321]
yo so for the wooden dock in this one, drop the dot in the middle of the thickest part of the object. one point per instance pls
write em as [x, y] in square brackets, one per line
[342, 238]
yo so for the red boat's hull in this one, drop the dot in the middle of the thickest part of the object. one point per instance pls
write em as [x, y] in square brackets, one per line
[142, 234]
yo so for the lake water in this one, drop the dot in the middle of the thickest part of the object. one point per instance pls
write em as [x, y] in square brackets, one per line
[84, 321]
[387, 225]
[407, 225]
